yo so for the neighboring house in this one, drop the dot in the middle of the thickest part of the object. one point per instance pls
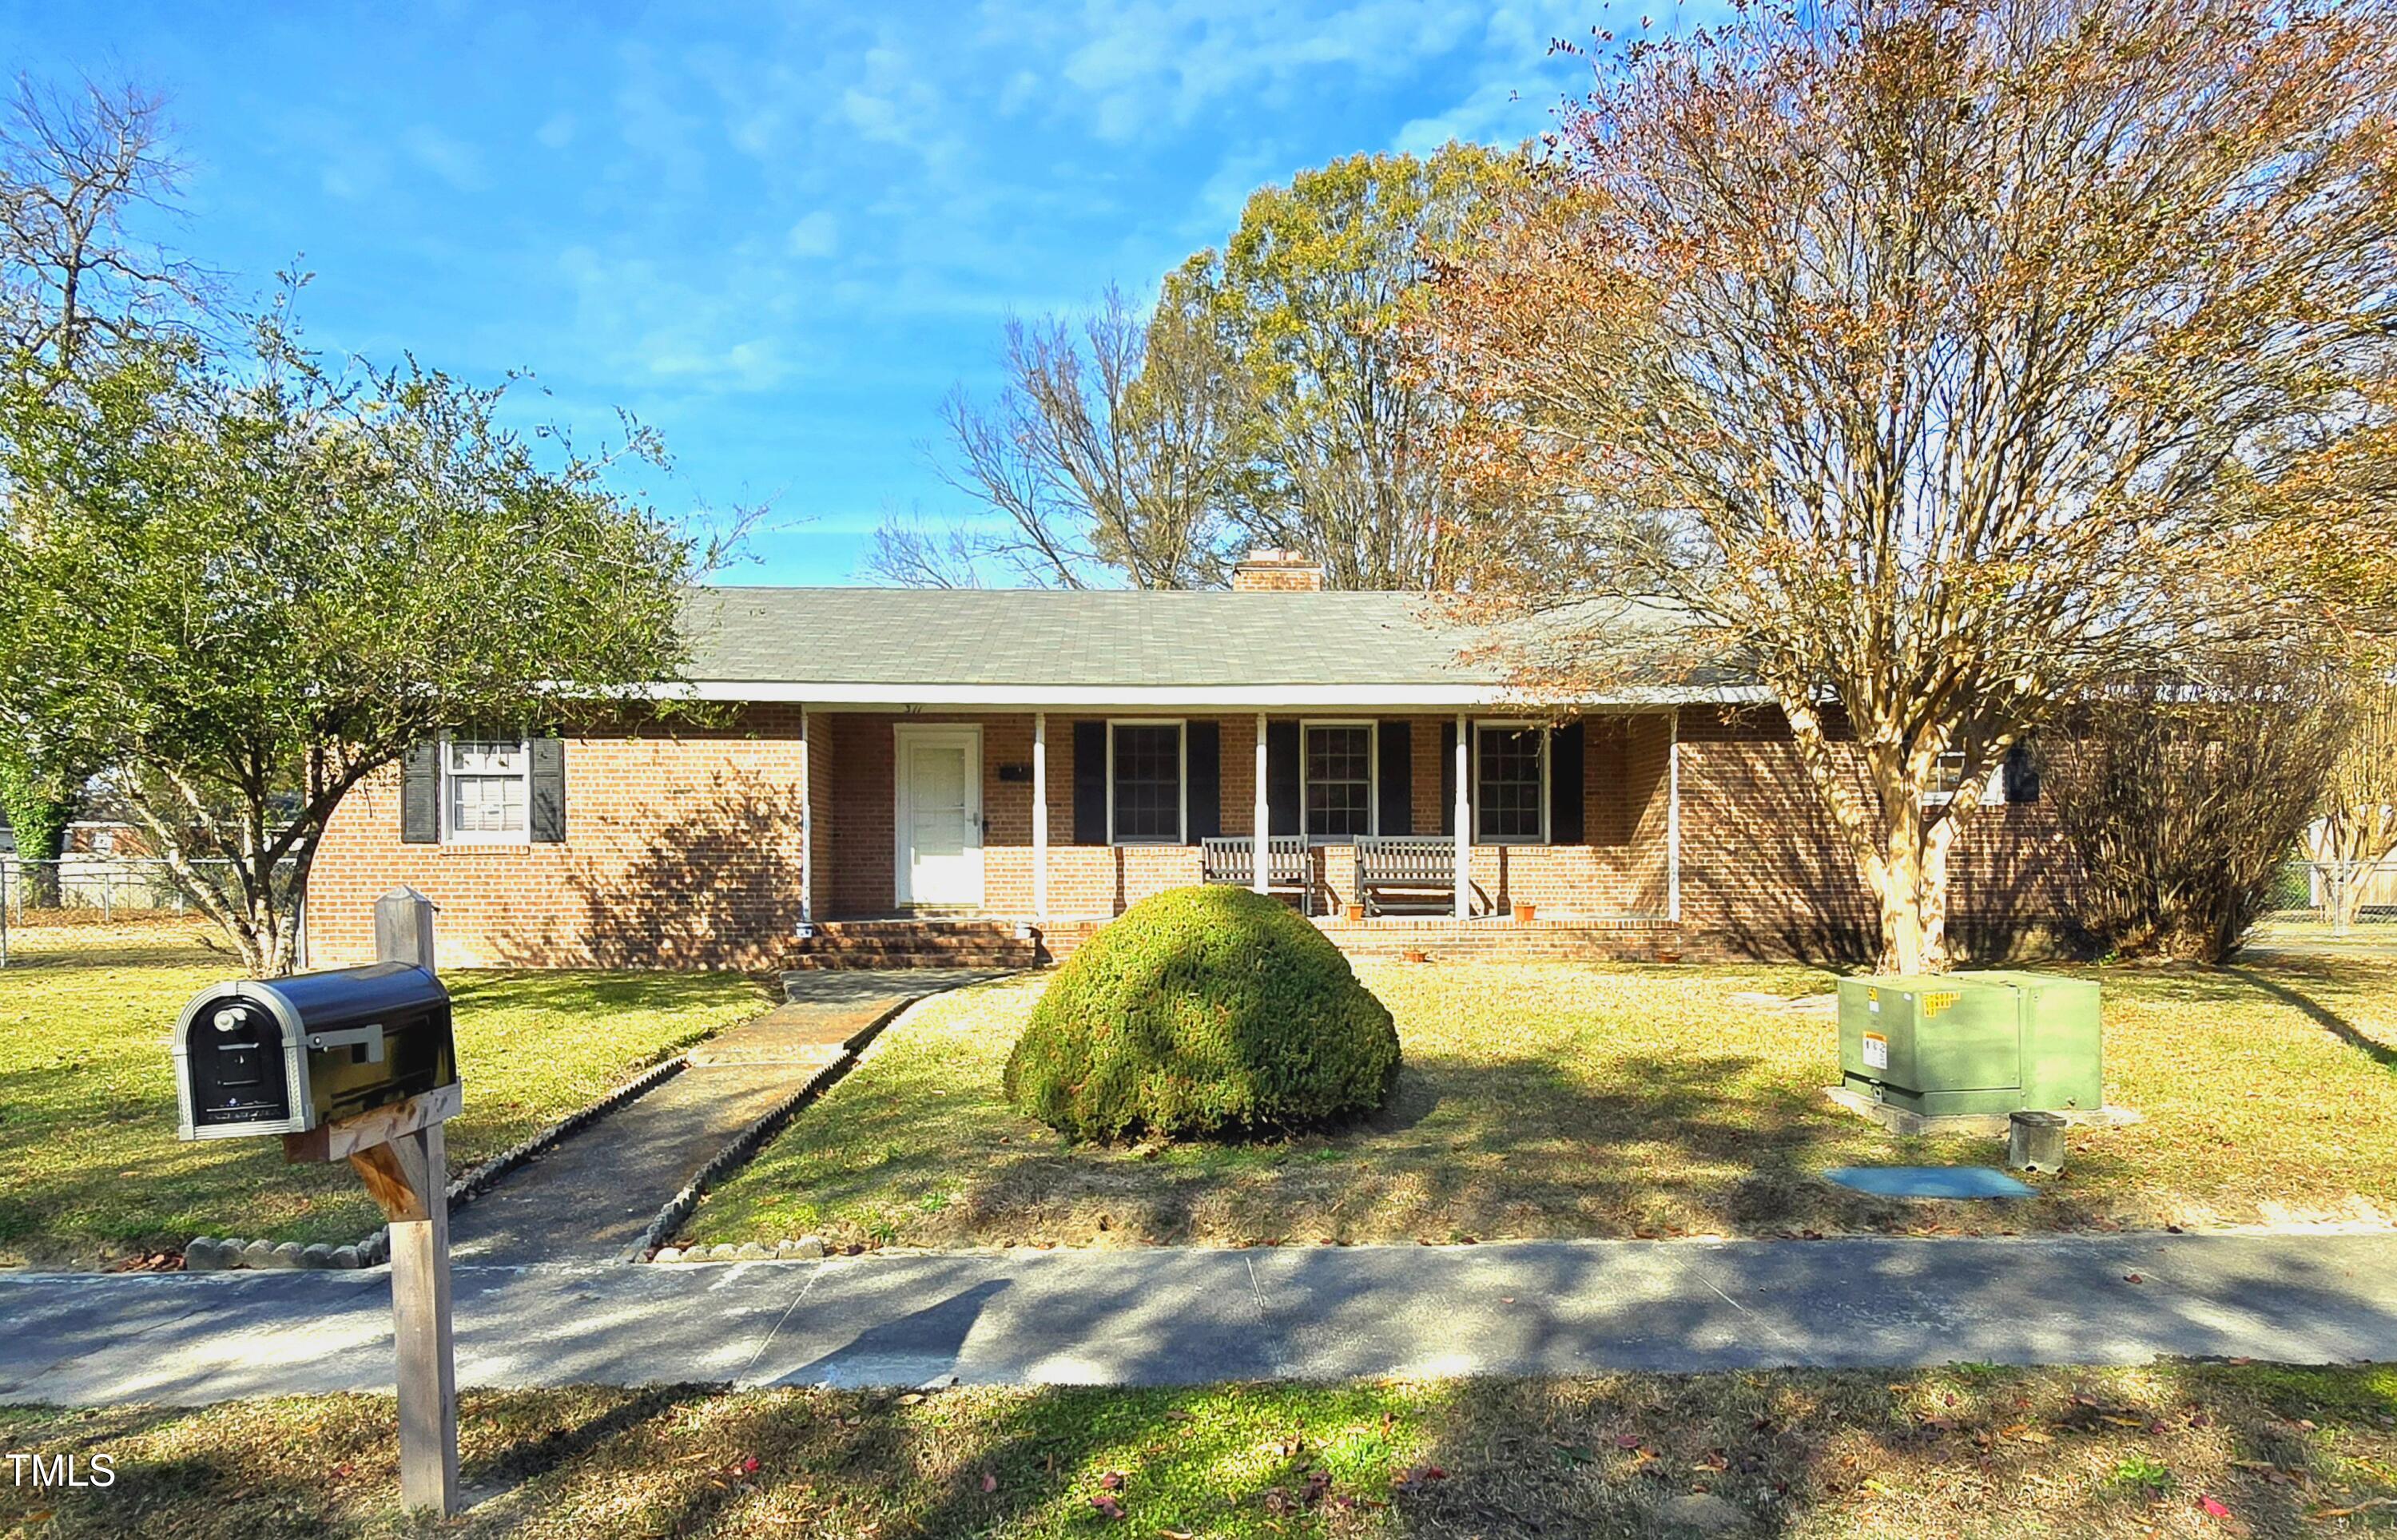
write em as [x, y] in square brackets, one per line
[1046, 758]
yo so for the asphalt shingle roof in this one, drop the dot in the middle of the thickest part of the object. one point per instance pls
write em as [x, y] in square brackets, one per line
[1041, 639]
[1035, 636]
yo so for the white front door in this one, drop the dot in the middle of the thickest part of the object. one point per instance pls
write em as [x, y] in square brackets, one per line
[940, 815]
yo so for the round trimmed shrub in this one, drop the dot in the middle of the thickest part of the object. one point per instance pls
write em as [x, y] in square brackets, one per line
[1203, 1010]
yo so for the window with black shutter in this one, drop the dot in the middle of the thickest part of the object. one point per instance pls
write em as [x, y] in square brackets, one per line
[1338, 787]
[1511, 785]
[1145, 782]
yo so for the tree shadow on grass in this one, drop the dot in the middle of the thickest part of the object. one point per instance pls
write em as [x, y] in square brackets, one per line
[2320, 1014]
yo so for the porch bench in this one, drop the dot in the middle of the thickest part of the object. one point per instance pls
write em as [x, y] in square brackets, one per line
[1417, 871]
[1289, 866]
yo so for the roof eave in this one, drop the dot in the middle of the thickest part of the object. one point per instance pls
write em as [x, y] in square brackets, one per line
[1452, 696]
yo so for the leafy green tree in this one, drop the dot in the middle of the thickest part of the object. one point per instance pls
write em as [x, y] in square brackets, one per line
[1313, 295]
[1269, 398]
[76, 166]
[259, 583]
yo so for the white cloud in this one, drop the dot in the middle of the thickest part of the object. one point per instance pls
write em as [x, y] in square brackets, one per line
[816, 236]
[1497, 113]
[452, 159]
[558, 132]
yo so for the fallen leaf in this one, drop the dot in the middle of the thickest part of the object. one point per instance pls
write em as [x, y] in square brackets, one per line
[1627, 1441]
[912, 1397]
[2213, 1508]
[1112, 1481]
[1108, 1507]
[2133, 1278]
[989, 1481]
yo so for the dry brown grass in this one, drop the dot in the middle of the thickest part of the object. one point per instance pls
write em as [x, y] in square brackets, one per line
[1959, 1451]
[1561, 1100]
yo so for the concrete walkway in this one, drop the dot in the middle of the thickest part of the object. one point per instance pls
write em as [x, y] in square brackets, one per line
[588, 1197]
[1167, 1316]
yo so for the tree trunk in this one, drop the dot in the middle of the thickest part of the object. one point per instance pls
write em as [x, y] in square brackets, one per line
[1912, 885]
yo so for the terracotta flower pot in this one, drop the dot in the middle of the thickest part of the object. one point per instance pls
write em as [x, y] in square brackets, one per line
[1524, 912]
[1668, 957]
[1355, 913]
[1416, 954]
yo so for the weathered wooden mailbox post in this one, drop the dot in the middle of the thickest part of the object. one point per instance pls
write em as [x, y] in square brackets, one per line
[357, 1064]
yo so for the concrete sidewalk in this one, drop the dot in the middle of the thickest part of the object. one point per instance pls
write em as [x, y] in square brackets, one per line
[1168, 1316]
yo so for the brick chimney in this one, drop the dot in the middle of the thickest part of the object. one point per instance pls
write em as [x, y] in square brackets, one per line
[1269, 571]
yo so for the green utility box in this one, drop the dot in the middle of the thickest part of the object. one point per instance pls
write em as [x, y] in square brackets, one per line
[1961, 1043]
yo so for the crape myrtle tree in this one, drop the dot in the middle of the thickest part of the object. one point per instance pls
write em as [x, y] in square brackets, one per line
[1943, 360]
[260, 582]
[2356, 829]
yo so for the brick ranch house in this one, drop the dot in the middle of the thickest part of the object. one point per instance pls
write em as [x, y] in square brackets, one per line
[927, 775]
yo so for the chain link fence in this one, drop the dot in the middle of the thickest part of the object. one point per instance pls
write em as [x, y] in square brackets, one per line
[53, 901]
[2336, 896]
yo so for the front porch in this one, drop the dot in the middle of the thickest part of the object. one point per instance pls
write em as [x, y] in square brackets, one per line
[1052, 820]
[991, 942]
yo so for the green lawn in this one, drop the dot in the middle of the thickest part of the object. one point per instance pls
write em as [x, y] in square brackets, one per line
[1562, 1100]
[1961, 1451]
[89, 1165]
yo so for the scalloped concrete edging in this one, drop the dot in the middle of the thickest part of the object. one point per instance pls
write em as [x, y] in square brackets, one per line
[744, 1146]
[211, 1253]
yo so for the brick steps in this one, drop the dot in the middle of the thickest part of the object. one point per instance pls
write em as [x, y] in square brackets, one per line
[964, 943]
[931, 943]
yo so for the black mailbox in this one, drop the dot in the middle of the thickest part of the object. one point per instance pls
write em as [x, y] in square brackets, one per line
[283, 1056]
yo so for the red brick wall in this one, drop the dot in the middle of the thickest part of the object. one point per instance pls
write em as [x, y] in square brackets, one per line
[680, 849]
[1762, 862]
[683, 849]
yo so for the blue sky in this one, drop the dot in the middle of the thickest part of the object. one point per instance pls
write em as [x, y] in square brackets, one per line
[781, 234]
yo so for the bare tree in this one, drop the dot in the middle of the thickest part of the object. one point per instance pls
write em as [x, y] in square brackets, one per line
[2181, 795]
[910, 550]
[1941, 359]
[1108, 450]
[2357, 828]
[77, 168]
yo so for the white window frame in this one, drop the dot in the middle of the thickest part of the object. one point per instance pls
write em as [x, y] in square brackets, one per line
[1372, 775]
[1993, 786]
[1182, 778]
[1481, 805]
[452, 835]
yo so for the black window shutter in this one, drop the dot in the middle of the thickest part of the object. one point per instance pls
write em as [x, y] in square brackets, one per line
[1203, 747]
[1567, 800]
[548, 817]
[1448, 778]
[1281, 778]
[2022, 775]
[1089, 783]
[419, 795]
[1394, 745]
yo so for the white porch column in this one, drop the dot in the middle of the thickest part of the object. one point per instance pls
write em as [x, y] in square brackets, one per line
[807, 823]
[1263, 816]
[1673, 822]
[1463, 817]
[1040, 814]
